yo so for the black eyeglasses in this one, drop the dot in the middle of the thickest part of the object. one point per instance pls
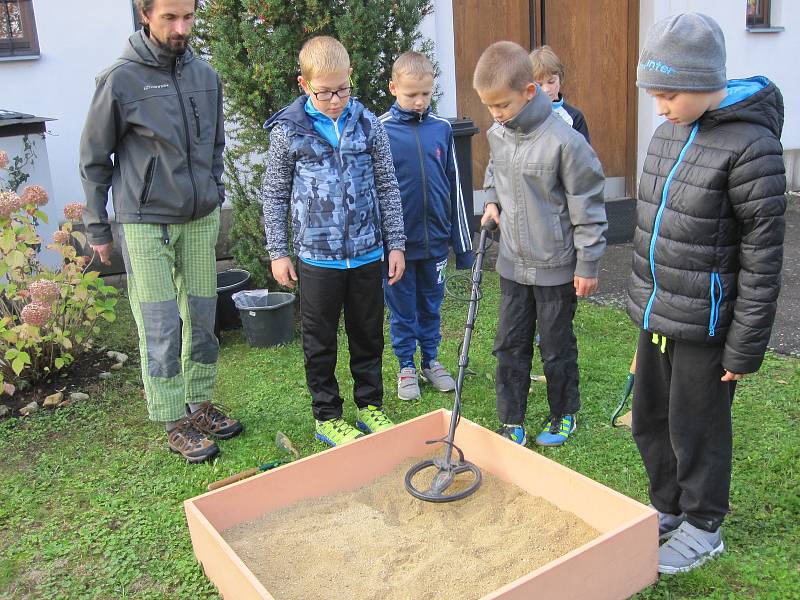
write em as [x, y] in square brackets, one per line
[326, 95]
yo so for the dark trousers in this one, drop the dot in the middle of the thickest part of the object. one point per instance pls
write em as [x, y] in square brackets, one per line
[682, 426]
[324, 293]
[522, 309]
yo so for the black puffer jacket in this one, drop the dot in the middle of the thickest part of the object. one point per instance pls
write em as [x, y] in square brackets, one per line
[708, 247]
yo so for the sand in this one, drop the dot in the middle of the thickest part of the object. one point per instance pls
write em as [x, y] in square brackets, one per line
[379, 542]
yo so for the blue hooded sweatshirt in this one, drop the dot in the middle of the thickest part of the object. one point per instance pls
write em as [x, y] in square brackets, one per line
[424, 157]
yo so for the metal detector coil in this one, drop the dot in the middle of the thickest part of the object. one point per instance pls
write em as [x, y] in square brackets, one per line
[448, 468]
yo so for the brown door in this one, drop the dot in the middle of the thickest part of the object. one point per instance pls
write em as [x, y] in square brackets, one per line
[597, 40]
[478, 24]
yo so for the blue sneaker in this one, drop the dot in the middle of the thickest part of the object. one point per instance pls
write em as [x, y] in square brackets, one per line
[515, 433]
[557, 430]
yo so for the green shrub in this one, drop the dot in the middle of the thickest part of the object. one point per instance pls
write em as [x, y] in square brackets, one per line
[47, 317]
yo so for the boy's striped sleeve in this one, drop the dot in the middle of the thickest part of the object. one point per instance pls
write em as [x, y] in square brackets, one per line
[276, 192]
[388, 191]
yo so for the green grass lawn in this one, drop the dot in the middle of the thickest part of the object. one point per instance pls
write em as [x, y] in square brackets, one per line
[91, 500]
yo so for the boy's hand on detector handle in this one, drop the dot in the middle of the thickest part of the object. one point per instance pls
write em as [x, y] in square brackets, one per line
[397, 265]
[283, 272]
[490, 213]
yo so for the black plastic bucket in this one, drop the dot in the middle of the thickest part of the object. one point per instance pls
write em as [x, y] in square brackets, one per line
[228, 283]
[267, 317]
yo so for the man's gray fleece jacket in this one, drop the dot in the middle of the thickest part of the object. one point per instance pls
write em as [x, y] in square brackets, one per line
[161, 118]
[548, 183]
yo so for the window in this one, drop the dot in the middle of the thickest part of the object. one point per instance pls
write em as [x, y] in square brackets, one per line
[17, 29]
[759, 17]
[758, 13]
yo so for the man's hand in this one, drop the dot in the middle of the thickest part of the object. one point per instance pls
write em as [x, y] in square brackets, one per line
[732, 376]
[491, 212]
[397, 265]
[103, 252]
[283, 272]
[585, 286]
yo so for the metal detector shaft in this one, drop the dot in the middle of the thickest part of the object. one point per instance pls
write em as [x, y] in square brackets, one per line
[446, 470]
[463, 359]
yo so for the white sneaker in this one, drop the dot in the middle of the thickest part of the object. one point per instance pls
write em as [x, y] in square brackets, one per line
[438, 377]
[408, 384]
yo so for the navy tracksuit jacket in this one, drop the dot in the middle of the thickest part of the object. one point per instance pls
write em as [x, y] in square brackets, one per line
[434, 217]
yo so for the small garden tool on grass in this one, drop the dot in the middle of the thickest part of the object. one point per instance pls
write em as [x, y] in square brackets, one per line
[625, 394]
[446, 468]
[282, 442]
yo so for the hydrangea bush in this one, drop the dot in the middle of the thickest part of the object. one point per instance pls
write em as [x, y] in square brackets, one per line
[47, 317]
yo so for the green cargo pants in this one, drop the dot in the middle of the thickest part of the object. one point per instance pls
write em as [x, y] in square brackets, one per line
[172, 286]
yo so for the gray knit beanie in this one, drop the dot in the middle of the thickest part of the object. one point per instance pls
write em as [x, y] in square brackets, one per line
[684, 52]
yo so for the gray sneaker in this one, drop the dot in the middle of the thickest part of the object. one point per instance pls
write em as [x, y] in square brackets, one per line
[408, 384]
[438, 377]
[688, 548]
[668, 524]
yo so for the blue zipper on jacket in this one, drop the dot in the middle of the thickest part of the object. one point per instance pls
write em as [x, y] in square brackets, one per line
[716, 302]
[657, 224]
[421, 156]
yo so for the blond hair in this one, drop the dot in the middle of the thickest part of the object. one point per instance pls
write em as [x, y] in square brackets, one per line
[412, 64]
[323, 55]
[545, 63]
[503, 65]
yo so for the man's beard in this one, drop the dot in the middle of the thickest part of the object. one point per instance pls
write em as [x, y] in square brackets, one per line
[175, 45]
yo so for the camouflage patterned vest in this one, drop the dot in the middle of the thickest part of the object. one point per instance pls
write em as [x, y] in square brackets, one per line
[335, 211]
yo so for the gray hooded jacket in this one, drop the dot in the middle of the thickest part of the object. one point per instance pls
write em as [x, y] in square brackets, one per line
[161, 118]
[548, 183]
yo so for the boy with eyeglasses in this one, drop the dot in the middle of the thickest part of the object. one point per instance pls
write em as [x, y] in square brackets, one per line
[329, 160]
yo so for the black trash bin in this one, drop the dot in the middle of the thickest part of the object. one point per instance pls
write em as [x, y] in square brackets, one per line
[267, 317]
[463, 130]
[228, 283]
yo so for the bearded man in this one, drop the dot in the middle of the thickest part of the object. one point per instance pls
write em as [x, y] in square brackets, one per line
[154, 134]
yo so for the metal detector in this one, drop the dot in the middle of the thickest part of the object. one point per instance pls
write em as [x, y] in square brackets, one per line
[447, 468]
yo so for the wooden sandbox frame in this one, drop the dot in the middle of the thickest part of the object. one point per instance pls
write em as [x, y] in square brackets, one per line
[620, 562]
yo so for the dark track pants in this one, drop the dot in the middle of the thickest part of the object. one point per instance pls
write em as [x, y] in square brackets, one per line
[324, 293]
[522, 308]
[682, 426]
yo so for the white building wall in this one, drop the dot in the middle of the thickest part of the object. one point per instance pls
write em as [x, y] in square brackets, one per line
[748, 54]
[77, 39]
[39, 174]
[438, 27]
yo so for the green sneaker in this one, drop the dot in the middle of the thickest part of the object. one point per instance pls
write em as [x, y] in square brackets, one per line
[336, 432]
[372, 419]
